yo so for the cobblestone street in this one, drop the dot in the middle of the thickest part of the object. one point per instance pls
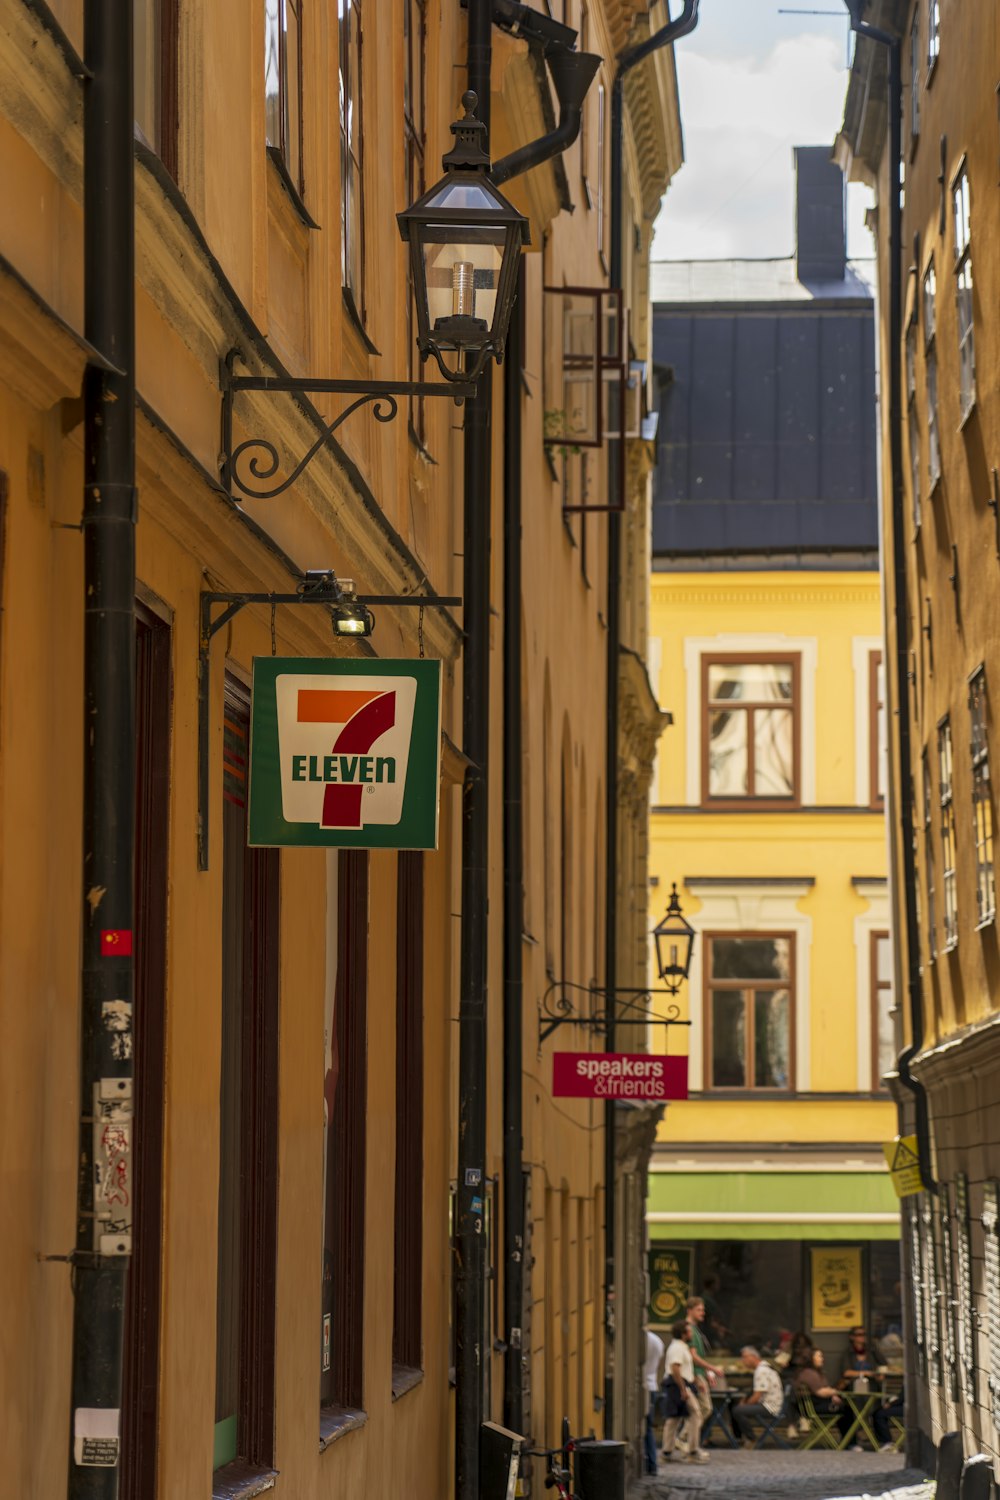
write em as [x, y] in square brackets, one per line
[775, 1475]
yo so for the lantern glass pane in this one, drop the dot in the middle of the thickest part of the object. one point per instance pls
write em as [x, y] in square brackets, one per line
[459, 197]
[462, 265]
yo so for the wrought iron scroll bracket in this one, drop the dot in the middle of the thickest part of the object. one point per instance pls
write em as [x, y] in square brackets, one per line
[256, 459]
[560, 1007]
[327, 592]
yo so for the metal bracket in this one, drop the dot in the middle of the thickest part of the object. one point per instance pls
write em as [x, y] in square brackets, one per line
[326, 592]
[261, 460]
[557, 1009]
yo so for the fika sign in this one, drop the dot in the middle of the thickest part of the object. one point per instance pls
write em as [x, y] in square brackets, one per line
[345, 753]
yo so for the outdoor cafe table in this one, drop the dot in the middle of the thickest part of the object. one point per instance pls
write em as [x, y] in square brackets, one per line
[862, 1404]
[721, 1415]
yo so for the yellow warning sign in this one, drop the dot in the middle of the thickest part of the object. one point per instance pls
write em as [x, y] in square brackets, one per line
[904, 1165]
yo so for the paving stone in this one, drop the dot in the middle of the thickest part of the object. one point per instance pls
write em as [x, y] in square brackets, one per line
[769, 1474]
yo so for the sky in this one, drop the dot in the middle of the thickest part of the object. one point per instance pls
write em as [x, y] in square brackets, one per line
[754, 83]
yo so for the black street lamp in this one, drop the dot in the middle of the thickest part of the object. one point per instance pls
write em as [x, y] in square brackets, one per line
[674, 944]
[465, 244]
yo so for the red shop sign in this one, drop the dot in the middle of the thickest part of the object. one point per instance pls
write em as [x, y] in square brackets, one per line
[619, 1075]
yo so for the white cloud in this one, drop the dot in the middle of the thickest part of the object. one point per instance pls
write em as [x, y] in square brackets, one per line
[741, 118]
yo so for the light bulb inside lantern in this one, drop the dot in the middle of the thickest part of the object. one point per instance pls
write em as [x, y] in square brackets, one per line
[463, 292]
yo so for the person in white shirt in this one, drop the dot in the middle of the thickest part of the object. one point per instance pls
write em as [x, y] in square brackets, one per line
[767, 1394]
[651, 1380]
[682, 1401]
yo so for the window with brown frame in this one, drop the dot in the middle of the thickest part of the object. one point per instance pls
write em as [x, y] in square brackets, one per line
[345, 1095]
[883, 1001]
[750, 1011]
[248, 1123]
[585, 121]
[877, 730]
[929, 860]
[352, 238]
[408, 1220]
[154, 52]
[283, 88]
[949, 874]
[601, 171]
[414, 140]
[750, 729]
[962, 219]
[982, 804]
[141, 1353]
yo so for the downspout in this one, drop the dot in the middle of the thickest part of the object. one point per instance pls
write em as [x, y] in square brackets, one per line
[904, 773]
[470, 1243]
[105, 1190]
[513, 881]
[572, 74]
[685, 23]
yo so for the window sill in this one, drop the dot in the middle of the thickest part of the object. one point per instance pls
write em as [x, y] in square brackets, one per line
[404, 1379]
[988, 921]
[240, 1481]
[968, 415]
[420, 445]
[278, 162]
[336, 1421]
[355, 320]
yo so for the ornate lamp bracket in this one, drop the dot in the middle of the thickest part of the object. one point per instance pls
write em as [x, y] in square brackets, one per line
[566, 1004]
[247, 467]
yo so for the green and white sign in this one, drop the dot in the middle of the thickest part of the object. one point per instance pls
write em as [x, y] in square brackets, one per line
[345, 753]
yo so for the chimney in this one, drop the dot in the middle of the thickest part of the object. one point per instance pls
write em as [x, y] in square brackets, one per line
[820, 235]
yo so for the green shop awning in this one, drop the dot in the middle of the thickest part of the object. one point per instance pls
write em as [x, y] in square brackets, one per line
[771, 1205]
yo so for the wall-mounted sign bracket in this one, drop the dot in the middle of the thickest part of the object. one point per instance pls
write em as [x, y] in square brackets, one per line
[326, 590]
[258, 459]
[566, 1004]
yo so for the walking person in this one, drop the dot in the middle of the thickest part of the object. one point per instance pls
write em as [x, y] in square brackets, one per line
[651, 1381]
[699, 1355]
[682, 1400]
[767, 1395]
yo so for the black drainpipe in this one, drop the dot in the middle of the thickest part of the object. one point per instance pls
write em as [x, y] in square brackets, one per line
[904, 772]
[572, 74]
[685, 23]
[470, 1246]
[513, 880]
[102, 1252]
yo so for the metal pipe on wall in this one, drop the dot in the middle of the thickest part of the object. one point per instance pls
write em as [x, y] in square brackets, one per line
[470, 1246]
[686, 22]
[105, 1189]
[513, 880]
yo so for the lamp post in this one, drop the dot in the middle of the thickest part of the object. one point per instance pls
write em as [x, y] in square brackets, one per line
[674, 937]
[465, 244]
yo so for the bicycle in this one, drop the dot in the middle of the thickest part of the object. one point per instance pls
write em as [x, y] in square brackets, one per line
[558, 1476]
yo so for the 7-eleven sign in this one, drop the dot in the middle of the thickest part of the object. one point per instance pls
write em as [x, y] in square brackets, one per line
[345, 753]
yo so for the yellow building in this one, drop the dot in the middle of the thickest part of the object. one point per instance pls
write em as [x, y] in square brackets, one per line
[765, 646]
[941, 483]
[289, 1321]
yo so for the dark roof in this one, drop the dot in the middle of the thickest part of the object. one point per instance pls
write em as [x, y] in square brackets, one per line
[766, 438]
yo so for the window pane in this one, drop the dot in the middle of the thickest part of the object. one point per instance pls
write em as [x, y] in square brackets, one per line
[755, 682]
[272, 72]
[293, 100]
[770, 1040]
[751, 958]
[727, 754]
[147, 61]
[773, 756]
[883, 959]
[729, 1041]
[886, 1035]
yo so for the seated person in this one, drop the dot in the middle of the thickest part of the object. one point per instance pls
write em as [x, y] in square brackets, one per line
[811, 1380]
[882, 1426]
[858, 1362]
[767, 1394]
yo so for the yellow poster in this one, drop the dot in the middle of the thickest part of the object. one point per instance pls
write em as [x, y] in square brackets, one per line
[904, 1165]
[837, 1292]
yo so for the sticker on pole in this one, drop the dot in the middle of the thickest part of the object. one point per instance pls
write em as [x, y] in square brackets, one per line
[619, 1075]
[95, 1437]
[904, 1165]
[345, 753]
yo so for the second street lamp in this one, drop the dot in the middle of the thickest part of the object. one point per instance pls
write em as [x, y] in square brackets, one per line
[465, 243]
[674, 944]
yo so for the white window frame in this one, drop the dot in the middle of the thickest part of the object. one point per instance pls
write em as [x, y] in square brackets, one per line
[756, 909]
[695, 647]
[877, 918]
